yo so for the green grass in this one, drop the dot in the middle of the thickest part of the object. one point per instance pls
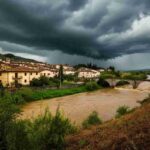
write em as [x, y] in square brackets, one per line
[93, 119]
[28, 94]
[122, 110]
[44, 94]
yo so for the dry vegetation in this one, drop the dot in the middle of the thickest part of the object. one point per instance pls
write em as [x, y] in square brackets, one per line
[130, 132]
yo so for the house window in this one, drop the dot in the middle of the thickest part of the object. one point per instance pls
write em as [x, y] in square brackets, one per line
[36, 73]
[25, 73]
[31, 73]
[48, 74]
[25, 81]
[44, 74]
[0, 74]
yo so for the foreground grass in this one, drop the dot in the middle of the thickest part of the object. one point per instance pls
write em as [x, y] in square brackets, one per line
[130, 132]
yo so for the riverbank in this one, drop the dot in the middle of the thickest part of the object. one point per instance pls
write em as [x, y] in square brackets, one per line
[77, 107]
[128, 132]
[29, 94]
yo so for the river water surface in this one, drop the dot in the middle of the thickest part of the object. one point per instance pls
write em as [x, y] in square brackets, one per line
[77, 107]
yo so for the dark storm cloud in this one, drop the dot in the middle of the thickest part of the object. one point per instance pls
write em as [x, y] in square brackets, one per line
[76, 4]
[93, 28]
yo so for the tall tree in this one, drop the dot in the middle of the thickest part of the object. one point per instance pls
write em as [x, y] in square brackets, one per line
[60, 75]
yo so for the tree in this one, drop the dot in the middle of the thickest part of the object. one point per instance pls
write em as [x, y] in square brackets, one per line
[112, 68]
[60, 75]
[2, 89]
[135, 77]
[42, 81]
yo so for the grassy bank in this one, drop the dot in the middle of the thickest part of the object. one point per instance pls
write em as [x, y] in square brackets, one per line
[45, 93]
[130, 131]
[28, 94]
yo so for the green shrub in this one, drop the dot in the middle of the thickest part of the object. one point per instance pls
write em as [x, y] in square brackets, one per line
[48, 131]
[91, 86]
[8, 112]
[103, 83]
[122, 82]
[26, 93]
[45, 132]
[60, 127]
[17, 137]
[17, 99]
[122, 110]
[42, 81]
[93, 119]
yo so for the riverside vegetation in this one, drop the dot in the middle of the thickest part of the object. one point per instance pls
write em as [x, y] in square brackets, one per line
[28, 94]
[50, 132]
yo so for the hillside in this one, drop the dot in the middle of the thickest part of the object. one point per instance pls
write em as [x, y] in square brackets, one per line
[15, 58]
[131, 132]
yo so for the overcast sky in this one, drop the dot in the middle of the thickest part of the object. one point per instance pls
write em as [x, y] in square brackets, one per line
[105, 32]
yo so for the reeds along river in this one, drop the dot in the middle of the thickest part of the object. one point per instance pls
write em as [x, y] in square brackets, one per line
[77, 107]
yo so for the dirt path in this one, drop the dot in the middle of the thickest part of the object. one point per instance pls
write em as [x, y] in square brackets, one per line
[77, 107]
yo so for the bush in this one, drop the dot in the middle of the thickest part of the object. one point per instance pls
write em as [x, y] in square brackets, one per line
[42, 81]
[26, 93]
[122, 110]
[122, 82]
[60, 127]
[17, 99]
[103, 83]
[17, 137]
[43, 133]
[91, 86]
[69, 77]
[48, 132]
[36, 83]
[93, 119]
[8, 112]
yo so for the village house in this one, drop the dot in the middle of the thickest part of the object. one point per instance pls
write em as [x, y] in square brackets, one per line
[49, 73]
[20, 75]
[68, 70]
[88, 73]
[148, 77]
[10, 75]
[19, 72]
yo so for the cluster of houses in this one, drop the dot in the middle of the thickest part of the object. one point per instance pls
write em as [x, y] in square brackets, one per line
[12, 72]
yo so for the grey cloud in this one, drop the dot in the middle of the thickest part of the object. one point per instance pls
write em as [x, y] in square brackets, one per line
[79, 27]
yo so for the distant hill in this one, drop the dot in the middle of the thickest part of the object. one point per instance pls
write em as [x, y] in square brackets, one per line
[15, 58]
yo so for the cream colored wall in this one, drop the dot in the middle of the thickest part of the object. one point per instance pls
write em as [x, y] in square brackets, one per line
[4, 78]
[88, 74]
[27, 77]
[47, 73]
[24, 79]
[69, 72]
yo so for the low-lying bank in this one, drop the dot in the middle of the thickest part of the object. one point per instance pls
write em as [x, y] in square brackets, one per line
[128, 132]
[28, 94]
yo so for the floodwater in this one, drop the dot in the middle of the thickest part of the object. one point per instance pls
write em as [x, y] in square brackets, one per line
[77, 107]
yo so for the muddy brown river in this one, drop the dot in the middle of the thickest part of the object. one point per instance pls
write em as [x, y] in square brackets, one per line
[77, 107]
